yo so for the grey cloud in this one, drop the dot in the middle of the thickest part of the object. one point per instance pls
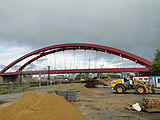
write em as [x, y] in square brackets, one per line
[131, 25]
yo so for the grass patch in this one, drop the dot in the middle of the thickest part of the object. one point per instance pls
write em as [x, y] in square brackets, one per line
[9, 90]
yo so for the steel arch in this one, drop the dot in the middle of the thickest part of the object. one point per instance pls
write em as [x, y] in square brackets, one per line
[73, 46]
[67, 71]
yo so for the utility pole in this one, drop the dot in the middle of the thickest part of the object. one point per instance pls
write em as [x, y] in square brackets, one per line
[48, 73]
[20, 79]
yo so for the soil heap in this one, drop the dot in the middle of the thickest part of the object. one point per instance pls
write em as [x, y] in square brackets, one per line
[40, 106]
[83, 90]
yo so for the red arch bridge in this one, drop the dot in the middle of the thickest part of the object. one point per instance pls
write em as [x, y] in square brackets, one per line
[37, 54]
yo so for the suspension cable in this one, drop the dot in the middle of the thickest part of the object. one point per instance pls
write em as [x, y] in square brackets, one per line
[64, 59]
[96, 59]
[52, 61]
[45, 62]
[108, 60]
[70, 63]
[85, 59]
[55, 63]
[122, 62]
[74, 60]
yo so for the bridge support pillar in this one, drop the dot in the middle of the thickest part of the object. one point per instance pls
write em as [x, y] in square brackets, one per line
[10, 78]
[137, 74]
[1, 79]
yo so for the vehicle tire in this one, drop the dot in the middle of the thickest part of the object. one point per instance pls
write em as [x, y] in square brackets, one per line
[120, 89]
[140, 89]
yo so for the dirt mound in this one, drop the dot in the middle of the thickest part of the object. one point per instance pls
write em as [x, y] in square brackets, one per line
[83, 90]
[40, 106]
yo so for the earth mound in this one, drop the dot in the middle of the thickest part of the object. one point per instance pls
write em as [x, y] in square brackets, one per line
[40, 106]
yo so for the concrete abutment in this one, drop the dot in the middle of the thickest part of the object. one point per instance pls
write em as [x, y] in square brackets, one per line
[10, 78]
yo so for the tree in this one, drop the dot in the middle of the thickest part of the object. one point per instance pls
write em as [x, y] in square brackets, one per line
[78, 77]
[157, 56]
[101, 76]
[155, 68]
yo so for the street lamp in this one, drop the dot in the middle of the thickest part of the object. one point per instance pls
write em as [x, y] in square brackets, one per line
[48, 72]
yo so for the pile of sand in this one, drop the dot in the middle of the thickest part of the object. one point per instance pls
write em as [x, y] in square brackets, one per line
[40, 106]
[83, 90]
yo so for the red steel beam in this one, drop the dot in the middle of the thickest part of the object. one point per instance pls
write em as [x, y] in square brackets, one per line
[102, 70]
[111, 50]
[50, 52]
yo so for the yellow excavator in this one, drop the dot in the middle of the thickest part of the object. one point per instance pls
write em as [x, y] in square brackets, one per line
[117, 81]
[141, 87]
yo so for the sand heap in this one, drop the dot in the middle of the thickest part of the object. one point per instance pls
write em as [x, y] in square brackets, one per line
[40, 106]
[83, 90]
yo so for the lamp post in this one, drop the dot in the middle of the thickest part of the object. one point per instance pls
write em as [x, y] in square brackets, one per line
[48, 73]
[20, 80]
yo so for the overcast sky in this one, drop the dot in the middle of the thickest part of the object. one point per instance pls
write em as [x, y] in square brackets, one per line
[131, 25]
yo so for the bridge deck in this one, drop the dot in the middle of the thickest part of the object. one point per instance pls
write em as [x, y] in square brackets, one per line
[102, 70]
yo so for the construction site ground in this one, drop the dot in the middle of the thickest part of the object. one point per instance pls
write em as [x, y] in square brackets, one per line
[99, 104]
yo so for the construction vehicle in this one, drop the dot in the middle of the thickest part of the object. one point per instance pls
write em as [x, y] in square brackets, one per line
[84, 80]
[141, 87]
[118, 81]
[94, 82]
[134, 78]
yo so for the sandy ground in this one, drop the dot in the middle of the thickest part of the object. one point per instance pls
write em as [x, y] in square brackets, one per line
[104, 104]
[107, 105]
